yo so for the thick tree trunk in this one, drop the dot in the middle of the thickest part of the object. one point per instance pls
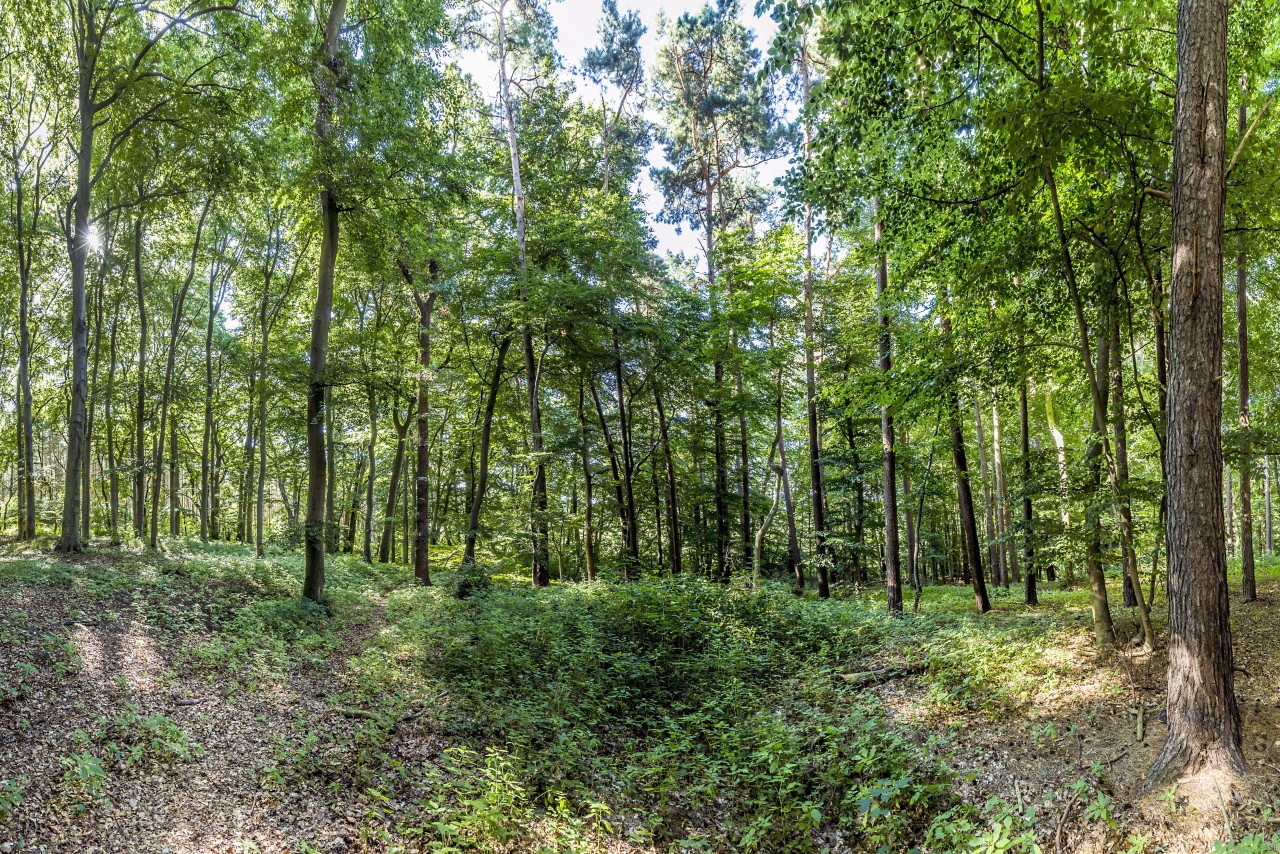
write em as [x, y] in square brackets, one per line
[1204, 721]
[78, 250]
[893, 562]
[317, 470]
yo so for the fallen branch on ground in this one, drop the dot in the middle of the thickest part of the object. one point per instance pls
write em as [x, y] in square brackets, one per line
[882, 674]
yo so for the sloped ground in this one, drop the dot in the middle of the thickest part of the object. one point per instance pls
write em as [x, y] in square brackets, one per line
[190, 703]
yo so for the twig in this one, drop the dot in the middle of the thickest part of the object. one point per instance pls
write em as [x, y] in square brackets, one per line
[1057, 836]
[178, 701]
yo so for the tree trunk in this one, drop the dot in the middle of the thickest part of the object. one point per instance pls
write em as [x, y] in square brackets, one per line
[993, 554]
[113, 473]
[86, 527]
[353, 507]
[588, 528]
[1266, 492]
[893, 563]
[673, 513]
[1249, 585]
[1130, 552]
[78, 250]
[964, 494]
[817, 495]
[1009, 545]
[386, 543]
[1203, 719]
[482, 471]
[366, 545]
[422, 457]
[175, 509]
[1103, 630]
[175, 327]
[314, 536]
[1028, 543]
[793, 540]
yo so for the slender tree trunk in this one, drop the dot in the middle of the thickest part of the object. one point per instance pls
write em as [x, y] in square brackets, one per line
[893, 563]
[482, 471]
[175, 508]
[1231, 513]
[793, 540]
[1120, 431]
[326, 78]
[1203, 718]
[993, 555]
[1069, 578]
[386, 544]
[1266, 492]
[86, 528]
[1028, 542]
[206, 439]
[675, 546]
[353, 507]
[1009, 546]
[1249, 585]
[588, 527]
[332, 529]
[422, 457]
[366, 546]
[1103, 630]
[113, 462]
[964, 493]
[817, 494]
[175, 327]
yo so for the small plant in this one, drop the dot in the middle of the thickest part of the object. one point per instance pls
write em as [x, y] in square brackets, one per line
[84, 776]
[1170, 798]
[11, 796]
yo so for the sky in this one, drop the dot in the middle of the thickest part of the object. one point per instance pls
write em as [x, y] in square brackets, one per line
[577, 25]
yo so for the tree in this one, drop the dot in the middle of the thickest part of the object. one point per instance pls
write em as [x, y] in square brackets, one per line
[1204, 721]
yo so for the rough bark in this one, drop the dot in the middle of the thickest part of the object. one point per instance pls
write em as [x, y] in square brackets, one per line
[1203, 719]
[326, 80]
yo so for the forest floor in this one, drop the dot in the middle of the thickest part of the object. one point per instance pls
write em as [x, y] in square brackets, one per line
[190, 702]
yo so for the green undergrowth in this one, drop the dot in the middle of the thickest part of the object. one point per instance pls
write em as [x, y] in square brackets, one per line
[677, 714]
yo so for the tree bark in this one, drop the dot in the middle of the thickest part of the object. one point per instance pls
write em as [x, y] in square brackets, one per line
[366, 546]
[1203, 718]
[326, 80]
[993, 553]
[893, 563]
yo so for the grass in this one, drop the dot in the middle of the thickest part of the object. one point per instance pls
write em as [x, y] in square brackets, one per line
[676, 714]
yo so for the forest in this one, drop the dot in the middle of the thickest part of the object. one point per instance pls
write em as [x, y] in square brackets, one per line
[532, 426]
